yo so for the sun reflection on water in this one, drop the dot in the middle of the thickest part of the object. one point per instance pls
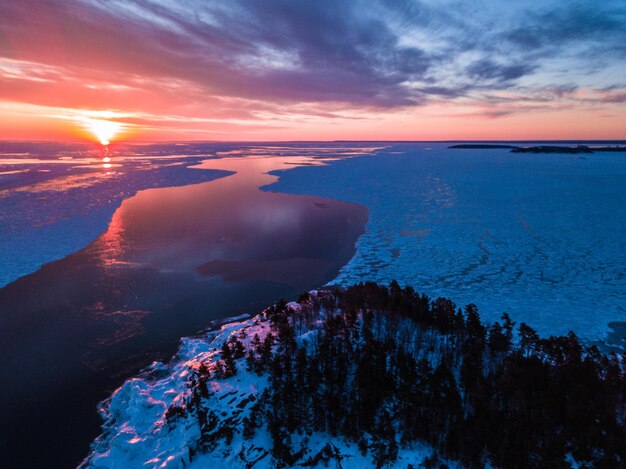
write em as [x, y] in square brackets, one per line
[111, 242]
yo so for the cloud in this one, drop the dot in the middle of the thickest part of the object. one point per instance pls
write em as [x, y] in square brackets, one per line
[283, 58]
[579, 26]
[486, 69]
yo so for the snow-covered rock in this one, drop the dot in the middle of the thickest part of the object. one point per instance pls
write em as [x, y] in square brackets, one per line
[154, 420]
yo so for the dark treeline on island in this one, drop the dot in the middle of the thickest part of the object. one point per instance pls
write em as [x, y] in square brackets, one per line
[386, 367]
[540, 148]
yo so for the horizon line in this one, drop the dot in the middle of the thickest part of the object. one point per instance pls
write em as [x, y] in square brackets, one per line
[115, 143]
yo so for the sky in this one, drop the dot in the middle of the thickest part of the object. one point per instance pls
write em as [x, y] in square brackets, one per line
[312, 70]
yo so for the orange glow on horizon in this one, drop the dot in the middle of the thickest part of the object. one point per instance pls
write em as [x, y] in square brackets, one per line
[433, 121]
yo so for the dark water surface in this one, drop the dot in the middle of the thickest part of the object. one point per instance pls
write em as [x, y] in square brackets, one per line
[171, 261]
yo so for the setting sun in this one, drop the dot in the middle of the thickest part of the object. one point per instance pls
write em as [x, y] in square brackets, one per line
[104, 130]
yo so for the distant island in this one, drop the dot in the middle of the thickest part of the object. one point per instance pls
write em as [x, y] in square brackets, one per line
[540, 148]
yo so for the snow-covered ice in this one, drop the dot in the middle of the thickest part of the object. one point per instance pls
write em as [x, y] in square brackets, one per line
[57, 198]
[541, 236]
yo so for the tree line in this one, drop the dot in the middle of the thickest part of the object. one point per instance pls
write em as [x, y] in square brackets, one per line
[388, 367]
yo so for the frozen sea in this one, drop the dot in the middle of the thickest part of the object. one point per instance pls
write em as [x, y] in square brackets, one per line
[540, 236]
